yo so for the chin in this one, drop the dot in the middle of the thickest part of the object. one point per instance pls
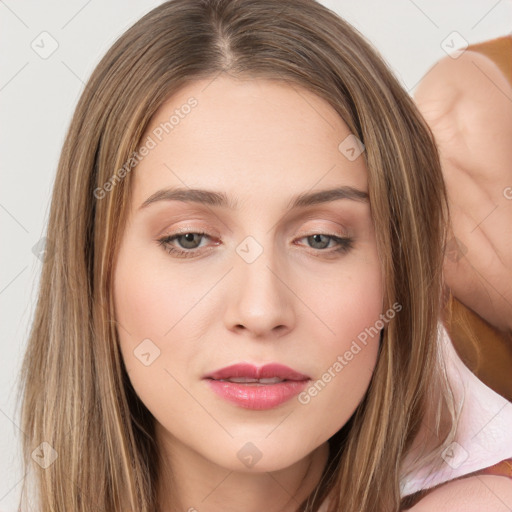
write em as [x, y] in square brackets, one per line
[260, 455]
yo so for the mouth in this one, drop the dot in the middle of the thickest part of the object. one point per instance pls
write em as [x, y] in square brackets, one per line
[257, 388]
[249, 373]
[247, 380]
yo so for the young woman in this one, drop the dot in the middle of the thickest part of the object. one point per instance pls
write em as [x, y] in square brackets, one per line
[242, 309]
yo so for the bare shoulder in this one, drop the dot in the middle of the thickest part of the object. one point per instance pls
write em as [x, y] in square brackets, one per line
[468, 104]
[471, 73]
[468, 88]
[484, 493]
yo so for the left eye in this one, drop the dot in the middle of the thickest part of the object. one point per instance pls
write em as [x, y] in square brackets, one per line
[188, 242]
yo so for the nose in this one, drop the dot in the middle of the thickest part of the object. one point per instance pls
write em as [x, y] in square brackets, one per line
[261, 299]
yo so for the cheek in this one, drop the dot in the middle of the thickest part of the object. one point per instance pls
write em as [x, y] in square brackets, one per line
[151, 310]
[149, 302]
[351, 309]
[138, 307]
[145, 309]
[347, 300]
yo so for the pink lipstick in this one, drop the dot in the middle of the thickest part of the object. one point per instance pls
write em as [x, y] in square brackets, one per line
[258, 388]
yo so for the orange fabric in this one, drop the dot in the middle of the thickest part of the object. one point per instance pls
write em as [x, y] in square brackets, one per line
[498, 50]
[503, 468]
[486, 351]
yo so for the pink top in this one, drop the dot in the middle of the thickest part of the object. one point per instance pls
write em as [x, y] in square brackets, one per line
[484, 434]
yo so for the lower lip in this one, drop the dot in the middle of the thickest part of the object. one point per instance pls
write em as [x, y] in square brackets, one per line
[257, 396]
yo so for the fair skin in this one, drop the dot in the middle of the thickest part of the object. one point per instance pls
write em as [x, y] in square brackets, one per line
[473, 128]
[299, 303]
[482, 493]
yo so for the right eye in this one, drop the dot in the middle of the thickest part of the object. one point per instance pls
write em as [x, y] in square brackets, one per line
[344, 243]
[185, 239]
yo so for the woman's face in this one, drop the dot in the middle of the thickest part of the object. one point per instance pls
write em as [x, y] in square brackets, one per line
[268, 283]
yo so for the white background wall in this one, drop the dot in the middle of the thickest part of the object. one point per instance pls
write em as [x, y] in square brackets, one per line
[38, 95]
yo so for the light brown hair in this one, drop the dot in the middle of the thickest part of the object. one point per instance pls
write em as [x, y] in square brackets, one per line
[76, 394]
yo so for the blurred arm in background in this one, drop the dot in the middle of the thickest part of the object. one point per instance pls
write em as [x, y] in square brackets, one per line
[467, 102]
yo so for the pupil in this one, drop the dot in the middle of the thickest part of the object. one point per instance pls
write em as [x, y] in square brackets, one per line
[317, 239]
[189, 239]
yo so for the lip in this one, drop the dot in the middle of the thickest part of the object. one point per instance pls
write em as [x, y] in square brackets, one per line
[257, 396]
[251, 371]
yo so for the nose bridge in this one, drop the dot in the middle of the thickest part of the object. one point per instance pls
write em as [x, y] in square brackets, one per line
[261, 300]
[257, 262]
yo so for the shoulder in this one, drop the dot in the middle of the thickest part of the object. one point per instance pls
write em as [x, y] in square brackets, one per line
[472, 494]
[468, 104]
[470, 75]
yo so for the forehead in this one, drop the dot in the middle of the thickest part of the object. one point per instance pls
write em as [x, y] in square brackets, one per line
[265, 138]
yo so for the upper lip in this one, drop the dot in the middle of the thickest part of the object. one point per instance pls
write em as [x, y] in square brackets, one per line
[251, 371]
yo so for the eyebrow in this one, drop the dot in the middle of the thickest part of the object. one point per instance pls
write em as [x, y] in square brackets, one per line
[220, 199]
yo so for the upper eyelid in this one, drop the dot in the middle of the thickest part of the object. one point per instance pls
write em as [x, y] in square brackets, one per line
[309, 218]
[206, 232]
[320, 212]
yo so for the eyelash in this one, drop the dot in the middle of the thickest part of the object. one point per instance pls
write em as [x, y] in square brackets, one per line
[345, 244]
